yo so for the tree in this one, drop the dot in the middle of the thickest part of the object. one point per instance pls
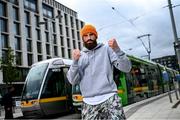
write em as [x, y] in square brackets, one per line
[8, 67]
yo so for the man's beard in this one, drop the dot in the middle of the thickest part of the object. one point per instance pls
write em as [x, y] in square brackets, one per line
[90, 46]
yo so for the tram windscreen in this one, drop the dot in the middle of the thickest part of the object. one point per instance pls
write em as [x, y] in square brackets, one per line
[34, 80]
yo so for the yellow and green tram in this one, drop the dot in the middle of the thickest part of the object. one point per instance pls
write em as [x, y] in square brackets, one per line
[143, 81]
[47, 90]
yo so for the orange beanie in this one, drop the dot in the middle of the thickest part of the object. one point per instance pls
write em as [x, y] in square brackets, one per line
[88, 29]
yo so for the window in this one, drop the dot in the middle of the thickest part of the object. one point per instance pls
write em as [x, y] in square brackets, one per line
[67, 32]
[46, 24]
[3, 9]
[77, 25]
[47, 49]
[79, 45]
[62, 52]
[15, 14]
[48, 57]
[47, 11]
[3, 24]
[73, 35]
[35, 78]
[4, 55]
[55, 51]
[27, 17]
[28, 32]
[18, 58]
[78, 35]
[38, 34]
[60, 18]
[13, 1]
[39, 50]
[66, 19]
[72, 23]
[69, 53]
[68, 42]
[54, 84]
[39, 57]
[31, 5]
[29, 45]
[74, 44]
[30, 61]
[4, 41]
[53, 27]
[37, 20]
[60, 29]
[16, 29]
[54, 39]
[17, 43]
[47, 36]
[82, 24]
[62, 41]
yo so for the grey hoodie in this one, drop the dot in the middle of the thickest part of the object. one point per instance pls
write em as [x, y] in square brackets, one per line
[94, 70]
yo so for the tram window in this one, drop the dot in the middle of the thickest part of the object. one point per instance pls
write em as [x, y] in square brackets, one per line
[54, 84]
[34, 80]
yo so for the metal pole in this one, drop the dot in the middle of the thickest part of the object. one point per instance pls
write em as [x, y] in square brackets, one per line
[177, 42]
[149, 47]
[148, 50]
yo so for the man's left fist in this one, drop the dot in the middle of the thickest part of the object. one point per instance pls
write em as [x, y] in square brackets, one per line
[113, 44]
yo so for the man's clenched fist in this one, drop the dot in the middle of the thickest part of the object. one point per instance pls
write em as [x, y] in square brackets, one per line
[76, 54]
[113, 44]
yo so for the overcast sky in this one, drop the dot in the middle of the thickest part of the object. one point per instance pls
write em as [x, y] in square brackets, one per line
[125, 20]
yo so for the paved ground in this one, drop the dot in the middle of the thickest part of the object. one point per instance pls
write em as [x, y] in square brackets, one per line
[155, 108]
[160, 109]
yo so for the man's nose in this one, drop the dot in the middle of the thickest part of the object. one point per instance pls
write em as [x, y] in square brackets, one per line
[89, 36]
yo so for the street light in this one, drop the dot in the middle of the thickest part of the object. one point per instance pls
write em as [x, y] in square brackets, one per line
[176, 40]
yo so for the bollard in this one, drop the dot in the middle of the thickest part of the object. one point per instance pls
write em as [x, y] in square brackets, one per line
[169, 94]
[176, 94]
[170, 98]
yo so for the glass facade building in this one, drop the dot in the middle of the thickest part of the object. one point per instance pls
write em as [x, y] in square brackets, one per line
[37, 30]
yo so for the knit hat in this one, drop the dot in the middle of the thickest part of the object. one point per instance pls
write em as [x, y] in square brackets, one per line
[88, 29]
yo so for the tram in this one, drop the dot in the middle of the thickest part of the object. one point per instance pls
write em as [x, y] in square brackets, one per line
[47, 90]
[143, 81]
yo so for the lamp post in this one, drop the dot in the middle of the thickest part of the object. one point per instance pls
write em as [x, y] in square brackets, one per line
[148, 50]
[176, 41]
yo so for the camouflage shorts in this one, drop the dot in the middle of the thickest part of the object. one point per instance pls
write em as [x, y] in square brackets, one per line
[110, 109]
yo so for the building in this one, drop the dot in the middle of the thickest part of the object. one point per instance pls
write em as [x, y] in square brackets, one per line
[169, 61]
[37, 30]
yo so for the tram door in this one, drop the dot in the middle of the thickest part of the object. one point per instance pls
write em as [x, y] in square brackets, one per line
[53, 98]
[119, 78]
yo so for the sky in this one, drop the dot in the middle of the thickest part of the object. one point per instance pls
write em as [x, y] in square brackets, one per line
[125, 20]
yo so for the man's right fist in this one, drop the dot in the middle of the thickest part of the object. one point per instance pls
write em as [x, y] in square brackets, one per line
[76, 54]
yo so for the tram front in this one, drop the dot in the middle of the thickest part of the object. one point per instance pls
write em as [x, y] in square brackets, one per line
[29, 100]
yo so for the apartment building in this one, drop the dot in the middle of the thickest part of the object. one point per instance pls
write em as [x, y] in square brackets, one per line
[169, 61]
[37, 30]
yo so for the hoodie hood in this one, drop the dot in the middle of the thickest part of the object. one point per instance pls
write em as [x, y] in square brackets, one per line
[87, 50]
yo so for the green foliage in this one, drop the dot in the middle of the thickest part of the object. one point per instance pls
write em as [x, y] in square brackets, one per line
[8, 67]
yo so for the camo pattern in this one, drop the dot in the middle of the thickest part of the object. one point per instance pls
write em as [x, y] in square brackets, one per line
[110, 109]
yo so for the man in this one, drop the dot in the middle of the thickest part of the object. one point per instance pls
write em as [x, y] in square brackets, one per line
[92, 69]
[8, 103]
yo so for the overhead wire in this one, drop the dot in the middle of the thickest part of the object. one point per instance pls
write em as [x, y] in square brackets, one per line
[131, 20]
